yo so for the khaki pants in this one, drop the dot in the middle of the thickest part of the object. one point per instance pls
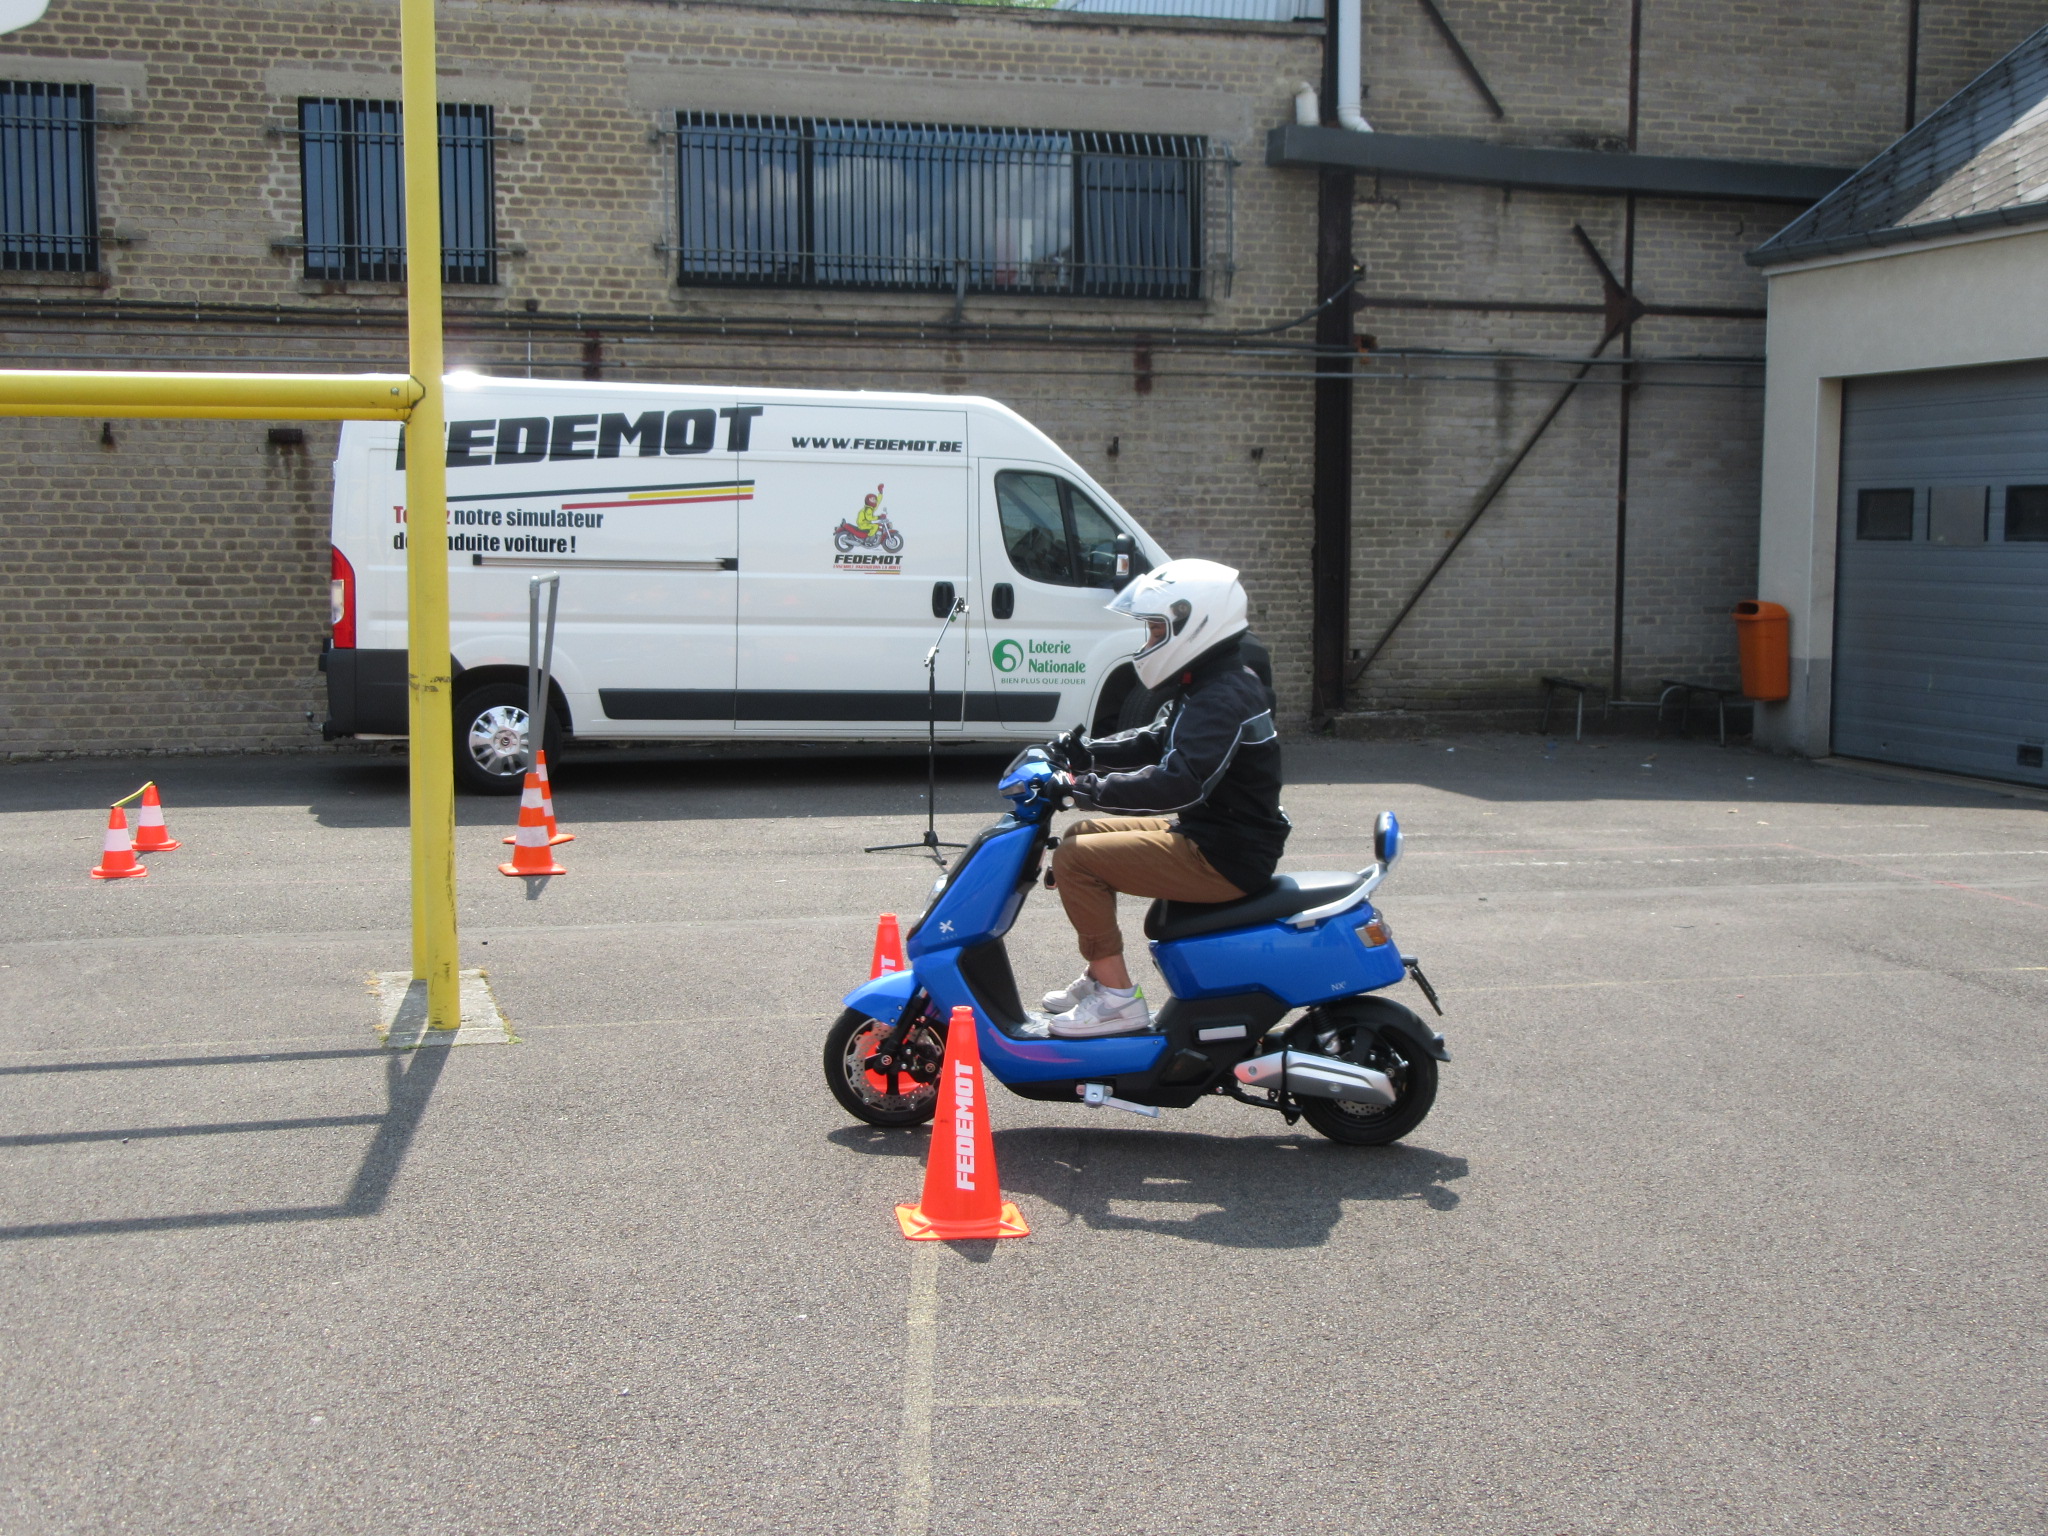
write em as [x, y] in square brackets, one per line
[1138, 855]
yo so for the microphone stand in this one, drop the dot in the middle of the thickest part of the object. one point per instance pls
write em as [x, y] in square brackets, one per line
[930, 843]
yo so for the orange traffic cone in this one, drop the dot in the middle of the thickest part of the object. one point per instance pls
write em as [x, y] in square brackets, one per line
[151, 835]
[117, 858]
[961, 1195]
[888, 948]
[547, 804]
[530, 854]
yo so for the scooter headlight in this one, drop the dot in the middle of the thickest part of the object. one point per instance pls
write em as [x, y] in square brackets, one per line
[1026, 773]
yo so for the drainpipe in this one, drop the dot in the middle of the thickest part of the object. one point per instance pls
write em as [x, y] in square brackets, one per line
[1330, 489]
[1350, 46]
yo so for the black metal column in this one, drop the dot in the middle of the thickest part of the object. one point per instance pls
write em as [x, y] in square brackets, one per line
[1330, 555]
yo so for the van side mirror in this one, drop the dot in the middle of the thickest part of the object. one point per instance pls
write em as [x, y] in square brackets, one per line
[1126, 549]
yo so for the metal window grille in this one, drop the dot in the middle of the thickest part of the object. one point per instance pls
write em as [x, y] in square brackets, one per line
[814, 203]
[49, 203]
[352, 170]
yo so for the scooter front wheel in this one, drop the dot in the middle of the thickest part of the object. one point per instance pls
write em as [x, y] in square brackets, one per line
[1362, 1125]
[869, 1094]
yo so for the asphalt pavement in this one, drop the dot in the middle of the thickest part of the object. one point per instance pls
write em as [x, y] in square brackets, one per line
[1728, 1219]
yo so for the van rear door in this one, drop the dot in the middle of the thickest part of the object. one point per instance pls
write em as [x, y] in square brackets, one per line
[855, 537]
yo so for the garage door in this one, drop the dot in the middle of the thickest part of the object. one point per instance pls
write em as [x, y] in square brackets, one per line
[1941, 591]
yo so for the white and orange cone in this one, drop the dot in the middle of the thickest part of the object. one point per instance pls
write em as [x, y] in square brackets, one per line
[117, 856]
[547, 804]
[151, 835]
[530, 854]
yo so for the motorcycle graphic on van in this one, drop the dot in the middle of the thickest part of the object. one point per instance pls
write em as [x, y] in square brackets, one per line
[868, 529]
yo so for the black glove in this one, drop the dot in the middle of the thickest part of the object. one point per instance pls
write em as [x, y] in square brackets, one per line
[1070, 751]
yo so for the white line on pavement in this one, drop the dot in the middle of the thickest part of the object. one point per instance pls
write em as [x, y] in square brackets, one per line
[1672, 981]
[914, 1496]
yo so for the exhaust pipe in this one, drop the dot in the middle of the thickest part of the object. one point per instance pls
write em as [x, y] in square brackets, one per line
[1318, 1077]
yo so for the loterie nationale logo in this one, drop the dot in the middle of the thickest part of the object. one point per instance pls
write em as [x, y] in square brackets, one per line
[867, 541]
[1036, 661]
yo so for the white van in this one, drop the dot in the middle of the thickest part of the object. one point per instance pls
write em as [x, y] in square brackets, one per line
[759, 564]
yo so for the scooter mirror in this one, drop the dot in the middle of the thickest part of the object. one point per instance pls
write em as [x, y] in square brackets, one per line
[1386, 839]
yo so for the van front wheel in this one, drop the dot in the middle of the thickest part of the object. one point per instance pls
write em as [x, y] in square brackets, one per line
[491, 756]
[1141, 706]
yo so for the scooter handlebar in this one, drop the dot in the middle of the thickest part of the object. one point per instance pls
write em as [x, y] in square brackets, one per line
[1032, 777]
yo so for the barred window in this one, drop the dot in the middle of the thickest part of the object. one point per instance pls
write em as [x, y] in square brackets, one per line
[780, 202]
[352, 170]
[49, 203]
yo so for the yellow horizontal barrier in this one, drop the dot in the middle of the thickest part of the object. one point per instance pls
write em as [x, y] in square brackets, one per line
[227, 396]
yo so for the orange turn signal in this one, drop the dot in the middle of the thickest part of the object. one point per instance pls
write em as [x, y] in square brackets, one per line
[1375, 933]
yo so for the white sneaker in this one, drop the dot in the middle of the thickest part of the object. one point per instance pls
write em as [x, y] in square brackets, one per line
[1102, 1012]
[1069, 996]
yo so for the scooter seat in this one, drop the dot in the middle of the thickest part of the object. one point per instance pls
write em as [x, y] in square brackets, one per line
[1285, 896]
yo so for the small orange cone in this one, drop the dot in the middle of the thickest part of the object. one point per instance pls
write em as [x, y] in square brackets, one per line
[961, 1195]
[151, 835]
[117, 859]
[888, 948]
[530, 854]
[547, 804]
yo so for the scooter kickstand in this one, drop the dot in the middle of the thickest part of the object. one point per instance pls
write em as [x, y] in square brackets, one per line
[1096, 1095]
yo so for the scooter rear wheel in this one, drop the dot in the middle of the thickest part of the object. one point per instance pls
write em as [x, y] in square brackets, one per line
[1362, 1125]
[865, 1094]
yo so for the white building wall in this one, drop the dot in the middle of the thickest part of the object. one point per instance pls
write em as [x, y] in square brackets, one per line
[1948, 304]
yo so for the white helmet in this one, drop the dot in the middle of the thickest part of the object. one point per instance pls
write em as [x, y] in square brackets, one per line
[1187, 607]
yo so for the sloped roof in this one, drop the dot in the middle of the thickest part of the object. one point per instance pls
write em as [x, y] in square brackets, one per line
[1979, 161]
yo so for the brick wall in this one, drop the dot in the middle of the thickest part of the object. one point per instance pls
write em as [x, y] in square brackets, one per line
[1533, 589]
[162, 584]
[170, 589]
[209, 545]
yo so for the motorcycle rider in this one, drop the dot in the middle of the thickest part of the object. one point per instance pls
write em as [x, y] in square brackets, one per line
[1213, 760]
[865, 520]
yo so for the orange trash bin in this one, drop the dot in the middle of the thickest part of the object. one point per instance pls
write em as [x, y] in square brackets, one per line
[1763, 639]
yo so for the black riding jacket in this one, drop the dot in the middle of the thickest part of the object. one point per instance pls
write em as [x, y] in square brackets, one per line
[1214, 761]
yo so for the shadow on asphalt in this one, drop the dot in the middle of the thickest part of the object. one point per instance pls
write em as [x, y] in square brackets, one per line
[1228, 1191]
[886, 783]
[409, 1080]
[351, 791]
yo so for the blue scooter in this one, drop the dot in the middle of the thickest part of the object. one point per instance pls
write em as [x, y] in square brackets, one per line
[1360, 1069]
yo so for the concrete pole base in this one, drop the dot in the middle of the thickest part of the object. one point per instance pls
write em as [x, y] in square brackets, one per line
[402, 1013]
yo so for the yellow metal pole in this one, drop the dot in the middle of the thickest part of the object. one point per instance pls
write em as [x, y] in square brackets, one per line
[232, 396]
[432, 723]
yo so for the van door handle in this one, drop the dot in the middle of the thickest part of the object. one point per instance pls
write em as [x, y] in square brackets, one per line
[942, 599]
[1002, 601]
